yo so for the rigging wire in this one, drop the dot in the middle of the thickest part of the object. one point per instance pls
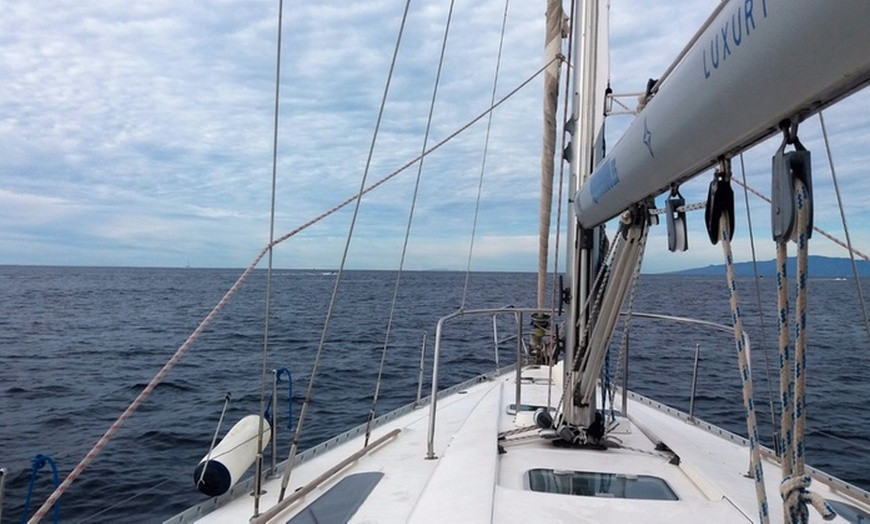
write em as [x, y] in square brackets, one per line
[847, 441]
[285, 478]
[483, 158]
[389, 328]
[697, 36]
[409, 163]
[701, 205]
[128, 499]
[845, 225]
[217, 430]
[261, 429]
[557, 291]
[852, 250]
[185, 346]
[764, 346]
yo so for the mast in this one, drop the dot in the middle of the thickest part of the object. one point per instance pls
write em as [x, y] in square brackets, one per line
[589, 23]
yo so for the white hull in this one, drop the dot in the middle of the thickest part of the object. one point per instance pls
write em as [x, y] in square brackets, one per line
[471, 481]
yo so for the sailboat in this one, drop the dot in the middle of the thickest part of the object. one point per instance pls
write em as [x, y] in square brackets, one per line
[547, 439]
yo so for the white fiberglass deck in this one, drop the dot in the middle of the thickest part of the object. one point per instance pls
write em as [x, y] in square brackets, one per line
[472, 480]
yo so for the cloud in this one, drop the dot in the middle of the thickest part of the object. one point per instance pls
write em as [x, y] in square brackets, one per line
[142, 135]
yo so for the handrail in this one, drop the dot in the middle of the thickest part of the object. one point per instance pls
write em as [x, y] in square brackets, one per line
[519, 312]
[683, 320]
[422, 370]
[268, 515]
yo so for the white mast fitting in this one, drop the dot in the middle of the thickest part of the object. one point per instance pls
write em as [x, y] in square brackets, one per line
[757, 64]
[591, 33]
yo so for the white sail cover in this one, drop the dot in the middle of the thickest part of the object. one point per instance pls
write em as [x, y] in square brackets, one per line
[758, 63]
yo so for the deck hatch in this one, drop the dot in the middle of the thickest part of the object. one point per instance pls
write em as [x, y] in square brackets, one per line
[849, 512]
[597, 484]
[341, 501]
[511, 409]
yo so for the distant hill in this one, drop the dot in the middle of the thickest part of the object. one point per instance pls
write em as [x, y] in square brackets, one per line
[823, 267]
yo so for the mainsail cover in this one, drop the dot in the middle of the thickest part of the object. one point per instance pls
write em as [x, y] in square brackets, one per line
[757, 64]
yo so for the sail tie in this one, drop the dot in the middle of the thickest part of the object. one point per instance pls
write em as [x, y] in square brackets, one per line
[720, 207]
[792, 220]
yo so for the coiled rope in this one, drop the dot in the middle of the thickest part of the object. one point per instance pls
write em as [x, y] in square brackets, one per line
[37, 464]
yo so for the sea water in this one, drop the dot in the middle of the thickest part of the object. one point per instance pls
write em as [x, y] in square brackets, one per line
[78, 344]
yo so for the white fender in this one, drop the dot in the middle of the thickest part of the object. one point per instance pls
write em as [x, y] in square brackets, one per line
[229, 460]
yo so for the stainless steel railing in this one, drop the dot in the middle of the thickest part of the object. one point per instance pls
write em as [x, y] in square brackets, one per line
[519, 314]
[680, 320]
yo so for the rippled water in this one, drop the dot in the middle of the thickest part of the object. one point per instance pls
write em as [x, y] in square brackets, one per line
[78, 344]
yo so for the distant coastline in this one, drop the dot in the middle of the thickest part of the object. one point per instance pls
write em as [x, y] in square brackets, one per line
[820, 267]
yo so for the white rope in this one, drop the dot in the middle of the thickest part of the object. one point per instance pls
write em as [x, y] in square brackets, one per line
[745, 374]
[795, 483]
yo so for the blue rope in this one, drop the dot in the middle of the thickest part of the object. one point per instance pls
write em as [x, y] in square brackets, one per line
[37, 464]
[268, 413]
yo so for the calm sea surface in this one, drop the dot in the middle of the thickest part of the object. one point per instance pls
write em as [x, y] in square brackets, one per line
[78, 344]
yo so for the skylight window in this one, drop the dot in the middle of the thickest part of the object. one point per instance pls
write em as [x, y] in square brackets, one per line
[596, 484]
[341, 501]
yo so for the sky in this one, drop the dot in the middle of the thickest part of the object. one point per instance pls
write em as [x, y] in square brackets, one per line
[140, 134]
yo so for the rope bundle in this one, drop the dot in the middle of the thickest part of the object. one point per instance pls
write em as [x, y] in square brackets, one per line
[794, 488]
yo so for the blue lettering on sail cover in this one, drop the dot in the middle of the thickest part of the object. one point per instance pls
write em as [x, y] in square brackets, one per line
[603, 179]
[728, 36]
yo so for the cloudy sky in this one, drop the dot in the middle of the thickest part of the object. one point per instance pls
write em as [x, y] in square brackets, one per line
[140, 134]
